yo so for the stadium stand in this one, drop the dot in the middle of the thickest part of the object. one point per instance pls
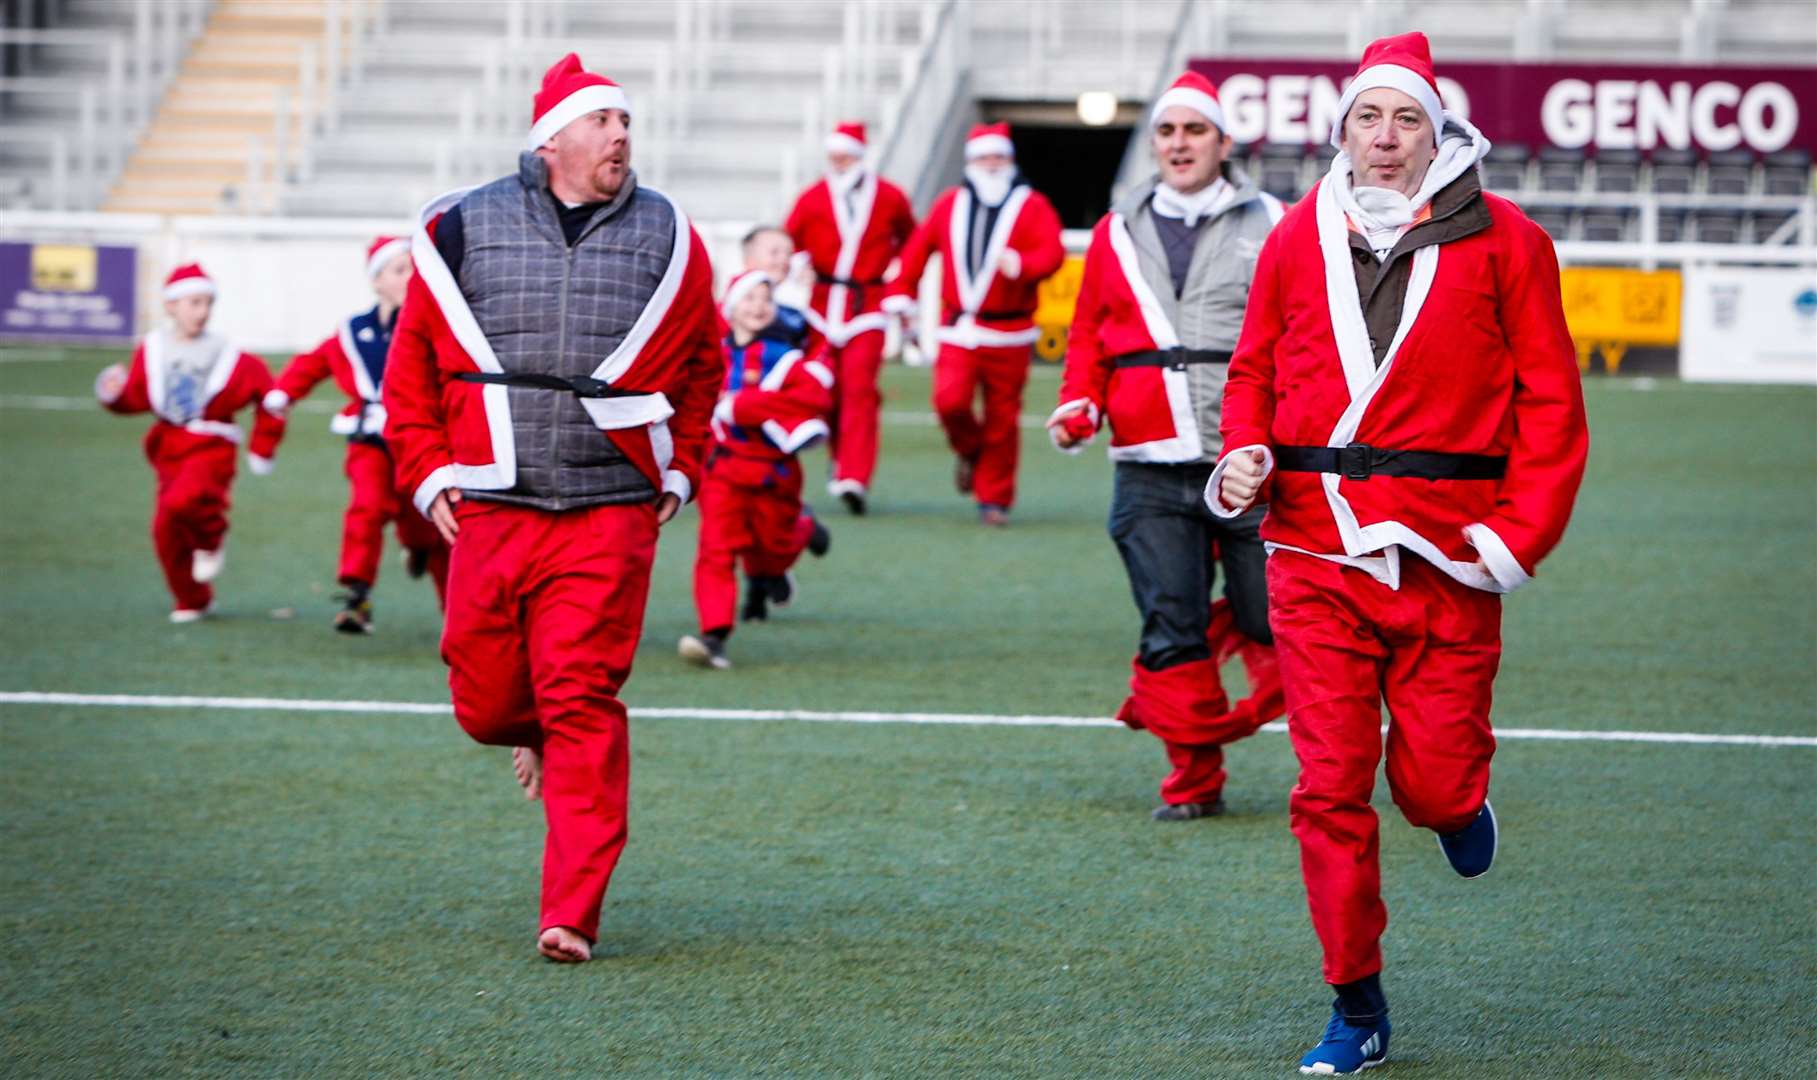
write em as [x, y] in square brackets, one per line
[364, 108]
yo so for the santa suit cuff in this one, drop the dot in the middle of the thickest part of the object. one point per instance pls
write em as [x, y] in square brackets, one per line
[260, 466]
[676, 483]
[275, 402]
[1497, 559]
[1216, 504]
[434, 484]
[899, 305]
[1059, 420]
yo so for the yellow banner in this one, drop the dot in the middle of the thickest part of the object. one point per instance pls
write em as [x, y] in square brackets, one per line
[63, 267]
[1611, 310]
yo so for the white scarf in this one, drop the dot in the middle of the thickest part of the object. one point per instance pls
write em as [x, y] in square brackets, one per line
[1196, 207]
[843, 183]
[991, 185]
[1383, 213]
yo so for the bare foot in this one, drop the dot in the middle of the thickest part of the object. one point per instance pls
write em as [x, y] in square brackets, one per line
[528, 765]
[564, 946]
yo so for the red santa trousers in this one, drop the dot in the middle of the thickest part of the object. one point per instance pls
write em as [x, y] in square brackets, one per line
[372, 504]
[544, 613]
[750, 512]
[191, 515]
[1185, 707]
[993, 442]
[1346, 644]
[857, 406]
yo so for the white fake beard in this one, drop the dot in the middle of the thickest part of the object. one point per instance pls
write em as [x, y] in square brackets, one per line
[843, 182]
[992, 185]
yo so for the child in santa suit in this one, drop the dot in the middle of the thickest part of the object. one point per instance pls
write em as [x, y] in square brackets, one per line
[998, 240]
[355, 358]
[773, 407]
[195, 382]
[851, 225]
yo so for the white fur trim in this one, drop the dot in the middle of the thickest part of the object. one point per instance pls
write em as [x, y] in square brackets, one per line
[1213, 501]
[1196, 100]
[368, 421]
[276, 402]
[1154, 317]
[805, 434]
[966, 333]
[218, 429]
[989, 144]
[841, 143]
[586, 100]
[434, 484]
[259, 466]
[1186, 444]
[383, 256]
[843, 487]
[226, 362]
[972, 291]
[833, 325]
[821, 373]
[194, 286]
[899, 305]
[779, 371]
[1393, 77]
[675, 482]
[618, 413]
[1501, 563]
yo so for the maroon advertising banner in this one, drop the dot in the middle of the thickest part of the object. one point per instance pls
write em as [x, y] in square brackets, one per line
[1578, 106]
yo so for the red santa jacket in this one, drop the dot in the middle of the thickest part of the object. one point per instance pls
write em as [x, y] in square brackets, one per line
[445, 432]
[850, 252]
[197, 414]
[990, 309]
[339, 358]
[1482, 364]
[775, 401]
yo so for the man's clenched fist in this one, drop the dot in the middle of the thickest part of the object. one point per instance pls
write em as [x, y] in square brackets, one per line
[1242, 479]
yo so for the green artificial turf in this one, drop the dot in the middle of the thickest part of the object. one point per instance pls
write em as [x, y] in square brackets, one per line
[237, 893]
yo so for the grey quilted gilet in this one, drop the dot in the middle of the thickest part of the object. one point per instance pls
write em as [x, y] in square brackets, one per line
[548, 308]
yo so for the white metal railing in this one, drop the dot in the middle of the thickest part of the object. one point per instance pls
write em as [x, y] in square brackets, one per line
[934, 79]
[111, 115]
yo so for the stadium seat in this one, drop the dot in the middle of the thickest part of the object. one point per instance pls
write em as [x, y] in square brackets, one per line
[1674, 171]
[1560, 170]
[1605, 225]
[1788, 172]
[1717, 226]
[1762, 224]
[1506, 168]
[1280, 171]
[1618, 171]
[1556, 221]
[1672, 224]
[1730, 172]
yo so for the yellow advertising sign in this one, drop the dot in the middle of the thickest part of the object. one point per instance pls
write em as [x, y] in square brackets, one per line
[1054, 312]
[63, 267]
[1614, 309]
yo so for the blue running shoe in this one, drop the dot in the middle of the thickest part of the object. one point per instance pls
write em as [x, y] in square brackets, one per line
[1346, 1049]
[1471, 849]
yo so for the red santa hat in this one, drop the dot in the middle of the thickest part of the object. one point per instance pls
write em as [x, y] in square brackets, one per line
[1194, 91]
[742, 283]
[188, 280]
[381, 251]
[988, 139]
[570, 92]
[847, 138]
[1402, 62]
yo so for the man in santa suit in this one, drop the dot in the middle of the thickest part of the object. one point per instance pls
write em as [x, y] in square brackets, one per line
[773, 407]
[1405, 400]
[1165, 281]
[354, 357]
[195, 382]
[850, 225]
[547, 399]
[998, 239]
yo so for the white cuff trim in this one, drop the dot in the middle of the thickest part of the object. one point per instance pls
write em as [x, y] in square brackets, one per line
[899, 305]
[675, 482]
[434, 484]
[1497, 559]
[1216, 504]
[276, 402]
[260, 466]
[1085, 405]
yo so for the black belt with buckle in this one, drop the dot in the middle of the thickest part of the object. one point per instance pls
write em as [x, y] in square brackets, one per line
[1174, 358]
[1360, 461]
[585, 386]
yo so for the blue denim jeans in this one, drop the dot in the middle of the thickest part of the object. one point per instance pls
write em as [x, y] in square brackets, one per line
[1172, 547]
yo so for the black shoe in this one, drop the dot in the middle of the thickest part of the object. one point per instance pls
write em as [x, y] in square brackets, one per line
[1189, 811]
[708, 650]
[820, 541]
[756, 600]
[782, 589]
[854, 501]
[356, 616]
[416, 561]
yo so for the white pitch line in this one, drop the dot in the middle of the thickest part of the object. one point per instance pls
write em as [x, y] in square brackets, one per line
[157, 701]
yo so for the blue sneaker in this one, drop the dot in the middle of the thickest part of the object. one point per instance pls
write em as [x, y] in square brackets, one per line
[1346, 1049]
[1471, 849]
